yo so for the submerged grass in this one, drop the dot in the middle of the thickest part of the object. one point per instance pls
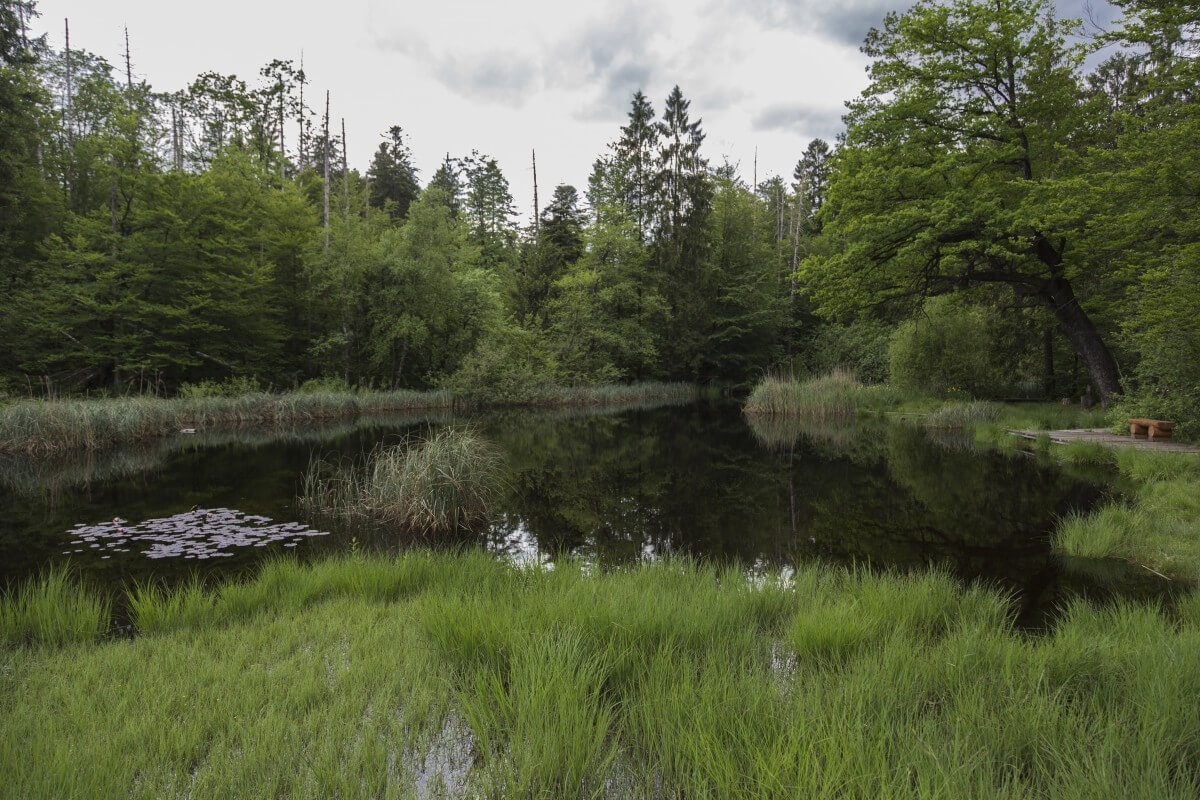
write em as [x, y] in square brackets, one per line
[440, 675]
[40, 427]
[446, 482]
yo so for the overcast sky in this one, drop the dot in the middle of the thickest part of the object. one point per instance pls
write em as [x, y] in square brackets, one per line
[508, 76]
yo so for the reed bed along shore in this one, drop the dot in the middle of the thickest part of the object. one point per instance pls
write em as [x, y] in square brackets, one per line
[460, 676]
[43, 427]
[442, 483]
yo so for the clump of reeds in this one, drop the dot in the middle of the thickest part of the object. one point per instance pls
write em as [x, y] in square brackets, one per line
[446, 482]
[832, 396]
[55, 610]
[962, 415]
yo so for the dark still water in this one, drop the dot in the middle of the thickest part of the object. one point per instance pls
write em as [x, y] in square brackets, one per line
[610, 488]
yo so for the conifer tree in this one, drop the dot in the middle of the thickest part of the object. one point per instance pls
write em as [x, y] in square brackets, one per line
[392, 175]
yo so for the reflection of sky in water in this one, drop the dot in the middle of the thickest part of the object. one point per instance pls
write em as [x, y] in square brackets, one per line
[518, 544]
[201, 533]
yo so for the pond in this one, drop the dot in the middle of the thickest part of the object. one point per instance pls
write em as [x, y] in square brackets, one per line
[608, 487]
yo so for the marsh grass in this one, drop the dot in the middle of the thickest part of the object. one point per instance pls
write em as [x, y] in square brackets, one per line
[446, 482]
[836, 395]
[39, 427]
[43, 427]
[619, 394]
[667, 680]
[962, 415]
[54, 610]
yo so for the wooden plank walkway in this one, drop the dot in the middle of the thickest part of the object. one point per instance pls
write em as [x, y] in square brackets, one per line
[1107, 437]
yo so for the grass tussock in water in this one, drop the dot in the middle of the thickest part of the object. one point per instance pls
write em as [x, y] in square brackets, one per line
[837, 395]
[446, 482]
[459, 676]
[962, 415]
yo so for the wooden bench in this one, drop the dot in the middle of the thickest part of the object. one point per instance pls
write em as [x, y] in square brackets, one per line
[1153, 428]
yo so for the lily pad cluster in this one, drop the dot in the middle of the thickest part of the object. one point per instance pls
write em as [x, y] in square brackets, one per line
[201, 533]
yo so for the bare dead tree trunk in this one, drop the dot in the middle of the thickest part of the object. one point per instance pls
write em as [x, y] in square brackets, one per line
[176, 158]
[536, 215]
[282, 150]
[128, 64]
[326, 159]
[303, 80]
[755, 186]
[345, 172]
[67, 106]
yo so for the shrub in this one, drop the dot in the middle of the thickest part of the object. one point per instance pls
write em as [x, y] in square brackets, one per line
[231, 387]
[860, 346]
[944, 351]
[510, 366]
[325, 385]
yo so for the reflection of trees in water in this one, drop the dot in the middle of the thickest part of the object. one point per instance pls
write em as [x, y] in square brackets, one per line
[708, 481]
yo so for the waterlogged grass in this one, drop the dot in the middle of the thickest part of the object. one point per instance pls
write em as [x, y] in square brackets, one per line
[837, 395]
[459, 676]
[1157, 528]
[446, 482]
[40, 427]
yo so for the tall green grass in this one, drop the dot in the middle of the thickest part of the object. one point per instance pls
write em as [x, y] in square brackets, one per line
[962, 415]
[460, 676]
[446, 482]
[837, 395]
[52, 610]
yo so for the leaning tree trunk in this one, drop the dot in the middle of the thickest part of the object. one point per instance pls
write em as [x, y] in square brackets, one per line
[1078, 327]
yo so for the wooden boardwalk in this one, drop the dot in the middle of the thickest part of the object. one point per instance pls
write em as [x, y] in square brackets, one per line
[1107, 437]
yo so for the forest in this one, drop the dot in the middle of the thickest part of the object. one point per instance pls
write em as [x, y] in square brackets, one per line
[1011, 212]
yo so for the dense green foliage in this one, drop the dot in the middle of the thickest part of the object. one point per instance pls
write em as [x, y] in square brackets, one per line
[461, 676]
[150, 240]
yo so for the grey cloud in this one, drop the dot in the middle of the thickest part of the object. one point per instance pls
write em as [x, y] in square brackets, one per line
[800, 118]
[612, 54]
[846, 22]
[608, 57]
[849, 21]
[497, 76]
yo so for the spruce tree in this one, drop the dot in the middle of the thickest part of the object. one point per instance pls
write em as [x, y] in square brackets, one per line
[392, 175]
